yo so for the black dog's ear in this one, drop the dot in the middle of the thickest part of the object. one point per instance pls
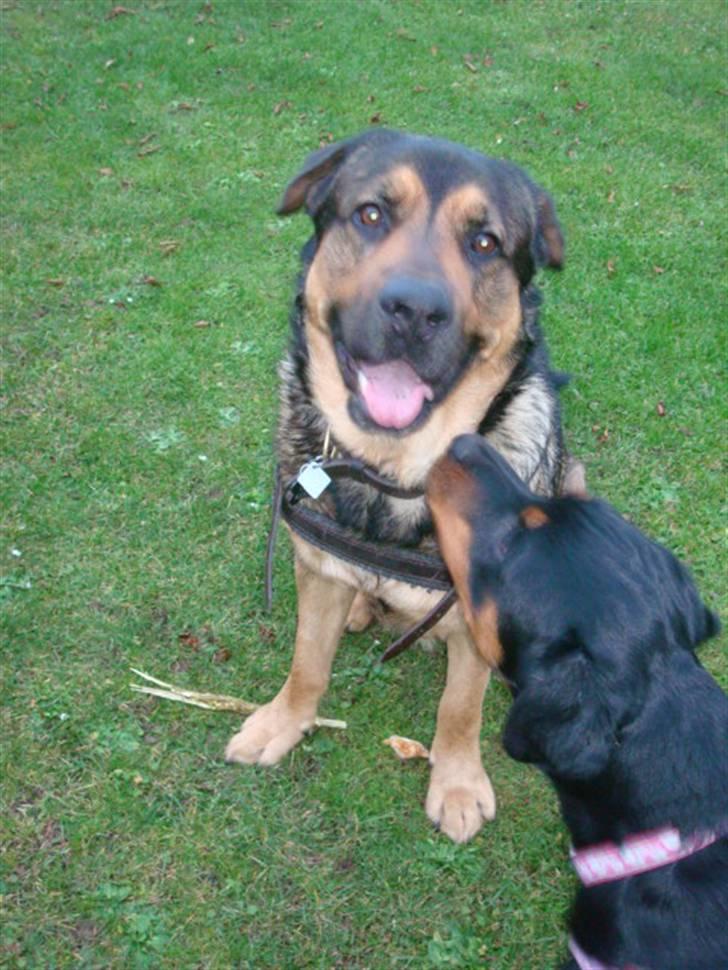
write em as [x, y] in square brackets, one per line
[314, 179]
[548, 243]
[560, 721]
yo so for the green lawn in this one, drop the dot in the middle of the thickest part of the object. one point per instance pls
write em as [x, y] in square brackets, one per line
[146, 283]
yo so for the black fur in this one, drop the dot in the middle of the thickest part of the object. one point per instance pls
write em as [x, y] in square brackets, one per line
[598, 626]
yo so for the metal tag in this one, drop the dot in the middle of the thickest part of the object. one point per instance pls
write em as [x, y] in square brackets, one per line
[313, 479]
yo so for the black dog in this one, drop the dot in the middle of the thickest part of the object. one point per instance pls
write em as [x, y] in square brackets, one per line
[594, 628]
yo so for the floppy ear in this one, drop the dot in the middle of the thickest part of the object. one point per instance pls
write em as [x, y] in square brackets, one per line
[548, 244]
[561, 722]
[313, 181]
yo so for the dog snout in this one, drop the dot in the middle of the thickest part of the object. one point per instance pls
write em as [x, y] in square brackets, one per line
[466, 447]
[411, 304]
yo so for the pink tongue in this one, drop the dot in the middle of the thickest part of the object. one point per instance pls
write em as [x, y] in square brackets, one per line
[392, 392]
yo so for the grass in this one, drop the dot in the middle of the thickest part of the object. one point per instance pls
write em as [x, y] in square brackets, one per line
[137, 424]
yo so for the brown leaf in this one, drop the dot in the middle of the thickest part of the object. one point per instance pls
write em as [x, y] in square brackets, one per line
[147, 138]
[149, 150]
[658, 270]
[468, 61]
[221, 656]
[202, 324]
[611, 197]
[404, 34]
[581, 106]
[168, 246]
[281, 106]
[611, 267]
[266, 633]
[189, 640]
[106, 172]
[56, 281]
[661, 409]
[406, 748]
[419, 89]
[375, 118]
[151, 281]
[119, 11]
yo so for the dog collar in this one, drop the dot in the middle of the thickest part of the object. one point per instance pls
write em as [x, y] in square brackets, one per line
[585, 962]
[609, 861]
[405, 565]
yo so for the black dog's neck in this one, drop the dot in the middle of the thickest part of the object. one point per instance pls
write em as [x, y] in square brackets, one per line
[669, 766]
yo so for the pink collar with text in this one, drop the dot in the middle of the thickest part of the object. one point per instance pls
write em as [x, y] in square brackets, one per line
[608, 861]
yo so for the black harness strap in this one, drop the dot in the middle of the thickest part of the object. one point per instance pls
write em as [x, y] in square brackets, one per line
[405, 565]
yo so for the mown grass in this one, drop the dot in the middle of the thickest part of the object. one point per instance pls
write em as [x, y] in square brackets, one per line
[137, 426]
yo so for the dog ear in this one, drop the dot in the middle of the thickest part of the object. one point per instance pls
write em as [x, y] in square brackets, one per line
[560, 722]
[548, 243]
[313, 181]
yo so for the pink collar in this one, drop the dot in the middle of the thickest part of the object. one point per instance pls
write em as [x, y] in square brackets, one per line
[585, 962]
[608, 861]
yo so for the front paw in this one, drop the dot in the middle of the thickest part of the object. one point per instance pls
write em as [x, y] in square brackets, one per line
[460, 798]
[268, 734]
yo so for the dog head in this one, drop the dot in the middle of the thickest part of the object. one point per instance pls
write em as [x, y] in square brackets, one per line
[421, 253]
[569, 600]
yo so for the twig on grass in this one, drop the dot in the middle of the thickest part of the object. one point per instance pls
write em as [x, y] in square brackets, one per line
[210, 702]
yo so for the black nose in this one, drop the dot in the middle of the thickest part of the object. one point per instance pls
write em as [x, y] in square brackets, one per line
[466, 447]
[415, 303]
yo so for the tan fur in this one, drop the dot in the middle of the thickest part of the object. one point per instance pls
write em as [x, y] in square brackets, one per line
[460, 796]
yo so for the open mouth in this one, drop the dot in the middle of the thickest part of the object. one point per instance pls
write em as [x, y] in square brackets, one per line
[392, 393]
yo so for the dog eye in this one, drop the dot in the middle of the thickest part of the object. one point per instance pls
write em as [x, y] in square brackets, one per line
[370, 215]
[484, 243]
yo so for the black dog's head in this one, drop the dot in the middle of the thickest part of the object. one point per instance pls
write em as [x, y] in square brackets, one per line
[568, 599]
[422, 251]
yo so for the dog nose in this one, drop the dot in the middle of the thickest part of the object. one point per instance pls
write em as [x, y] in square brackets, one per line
[466, 447]
[408, 302]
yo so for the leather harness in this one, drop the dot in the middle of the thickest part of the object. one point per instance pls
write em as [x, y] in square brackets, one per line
[384, 559]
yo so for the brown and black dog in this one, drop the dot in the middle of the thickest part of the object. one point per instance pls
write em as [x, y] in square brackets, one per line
[415, 321]
[594, 628]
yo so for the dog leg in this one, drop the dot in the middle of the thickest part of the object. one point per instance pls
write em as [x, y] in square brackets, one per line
[460, 797]
[360, 614]
[270, 733]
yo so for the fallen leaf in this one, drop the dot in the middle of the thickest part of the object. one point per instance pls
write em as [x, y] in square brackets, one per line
[419, 89]
[147, 138]
[404, 34]
[611, 197]
[149, 150]
[188, 639]
[375, 118]
[168, 246]
[119, 11]
[110, 63]
[56, 281]
[468, 61]
[406, 748]
[658, 270]
[661, 409]
[221, 656]
[281, 106]
[151, 281]
[581, 106]
[201, 324]
[611, 267]
[106, 172]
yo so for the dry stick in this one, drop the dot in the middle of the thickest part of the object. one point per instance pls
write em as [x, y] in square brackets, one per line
[211, 702]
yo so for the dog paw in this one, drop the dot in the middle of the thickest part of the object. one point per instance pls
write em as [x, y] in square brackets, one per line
[458, 806]
[268, 735]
